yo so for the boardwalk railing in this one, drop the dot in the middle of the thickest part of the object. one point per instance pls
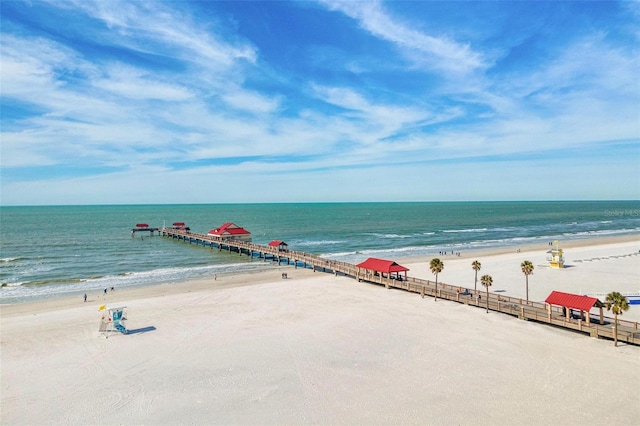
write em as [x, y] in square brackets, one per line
[628, 331]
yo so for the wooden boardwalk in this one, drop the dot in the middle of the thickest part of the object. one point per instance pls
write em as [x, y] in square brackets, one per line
[628, 332]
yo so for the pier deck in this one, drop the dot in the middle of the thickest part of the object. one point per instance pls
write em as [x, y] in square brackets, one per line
[628, 332]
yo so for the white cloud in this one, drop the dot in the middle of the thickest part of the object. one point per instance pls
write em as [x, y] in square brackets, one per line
[142, 23]
[251, 101]
[134, 83]
[432, 51]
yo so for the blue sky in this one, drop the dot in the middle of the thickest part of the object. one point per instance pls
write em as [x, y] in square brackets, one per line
[115, 102]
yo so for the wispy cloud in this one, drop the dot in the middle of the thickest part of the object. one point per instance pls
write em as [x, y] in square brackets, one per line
[427, 50]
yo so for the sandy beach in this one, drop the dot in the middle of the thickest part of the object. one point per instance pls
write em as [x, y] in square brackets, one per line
[319, 349]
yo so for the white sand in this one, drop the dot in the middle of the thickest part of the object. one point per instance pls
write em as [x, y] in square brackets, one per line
[319, 349]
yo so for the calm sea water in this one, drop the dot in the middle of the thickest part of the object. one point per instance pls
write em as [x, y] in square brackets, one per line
[52, 251]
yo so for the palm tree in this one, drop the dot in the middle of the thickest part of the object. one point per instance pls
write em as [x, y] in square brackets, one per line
[527, 269]
[436, 266]
[616, 303]
[487, 281]
[476, 267]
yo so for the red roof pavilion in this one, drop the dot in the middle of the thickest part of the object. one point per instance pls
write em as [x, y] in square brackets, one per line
[231, 230]
[280, 244]
[574, 301]
[276, 243]
[381, 265]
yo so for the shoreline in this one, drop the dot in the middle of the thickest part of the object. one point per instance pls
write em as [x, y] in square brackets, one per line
[418, 268]
[524, 248]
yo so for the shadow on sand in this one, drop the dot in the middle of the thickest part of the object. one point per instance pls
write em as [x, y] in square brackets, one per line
[141, 330]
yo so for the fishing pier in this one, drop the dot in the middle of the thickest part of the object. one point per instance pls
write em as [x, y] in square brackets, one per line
[546, 313]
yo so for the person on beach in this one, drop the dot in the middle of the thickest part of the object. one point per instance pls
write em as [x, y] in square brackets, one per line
[85, 297]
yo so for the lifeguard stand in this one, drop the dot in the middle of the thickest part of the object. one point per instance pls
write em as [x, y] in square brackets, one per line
[555, 257]
[113, 319]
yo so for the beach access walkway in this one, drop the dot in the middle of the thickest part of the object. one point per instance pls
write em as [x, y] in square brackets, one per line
[602, 327]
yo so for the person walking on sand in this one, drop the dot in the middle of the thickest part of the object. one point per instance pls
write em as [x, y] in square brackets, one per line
[85, 297]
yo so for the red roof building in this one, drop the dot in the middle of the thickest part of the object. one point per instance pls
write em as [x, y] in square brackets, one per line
[181, 226]
[231, 231]
[373, 266]
[574, 301]
[282, 246]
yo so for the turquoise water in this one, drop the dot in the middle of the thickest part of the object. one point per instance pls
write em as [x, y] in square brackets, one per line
[51, 251]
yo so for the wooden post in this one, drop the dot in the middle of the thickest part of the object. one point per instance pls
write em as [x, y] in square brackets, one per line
[422, 291]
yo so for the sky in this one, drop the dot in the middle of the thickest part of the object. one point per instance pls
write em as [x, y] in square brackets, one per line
[166, 102]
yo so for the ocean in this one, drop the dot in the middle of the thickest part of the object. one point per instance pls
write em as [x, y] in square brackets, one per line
[47, 252]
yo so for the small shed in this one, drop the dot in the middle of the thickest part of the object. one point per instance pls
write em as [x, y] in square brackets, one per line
[281, 245]
[379, 267]
[575, 301]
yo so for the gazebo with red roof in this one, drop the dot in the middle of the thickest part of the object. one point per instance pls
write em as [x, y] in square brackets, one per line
[379, 267]
[282, 246]
[575, 301]
[231, 231]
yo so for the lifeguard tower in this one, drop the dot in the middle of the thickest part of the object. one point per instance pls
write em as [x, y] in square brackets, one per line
[555, 257]
[113, 319]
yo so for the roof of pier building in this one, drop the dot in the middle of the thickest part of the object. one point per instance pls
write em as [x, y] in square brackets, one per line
[574, 301]
[381, 265]
[229, 229]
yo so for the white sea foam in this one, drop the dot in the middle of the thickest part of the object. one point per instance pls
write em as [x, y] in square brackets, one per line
[16, 292]
[14, 284]
[317, 243]
[455, 231]
[390, 235]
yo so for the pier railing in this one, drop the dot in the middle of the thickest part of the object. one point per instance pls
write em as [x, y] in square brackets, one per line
[628, 331]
